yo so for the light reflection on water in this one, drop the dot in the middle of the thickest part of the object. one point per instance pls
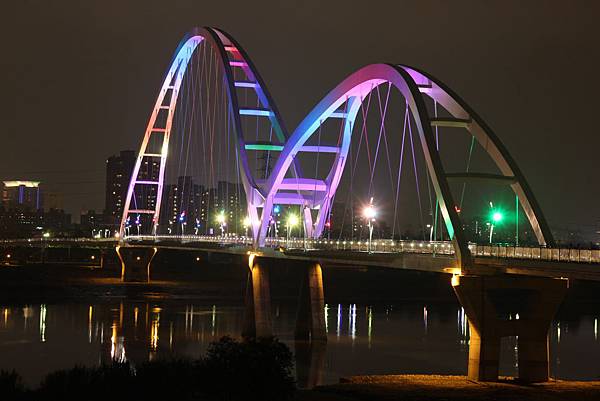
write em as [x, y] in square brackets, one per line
[411, 338]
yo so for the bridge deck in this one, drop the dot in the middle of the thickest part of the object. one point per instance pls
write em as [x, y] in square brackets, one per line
[411, 255]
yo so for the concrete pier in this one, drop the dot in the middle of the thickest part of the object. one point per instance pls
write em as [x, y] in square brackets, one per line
[488, 301]
[257, 320]
[135, 263]
[310, 320]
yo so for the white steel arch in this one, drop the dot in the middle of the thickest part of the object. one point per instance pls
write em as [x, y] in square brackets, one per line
[413, 84]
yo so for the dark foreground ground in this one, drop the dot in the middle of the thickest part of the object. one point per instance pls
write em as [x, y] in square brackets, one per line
[449, 388]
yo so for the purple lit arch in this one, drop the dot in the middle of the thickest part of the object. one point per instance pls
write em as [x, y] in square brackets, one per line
[313, 194]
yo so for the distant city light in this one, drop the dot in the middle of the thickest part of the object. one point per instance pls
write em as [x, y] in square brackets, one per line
[27, 184]
[497, 217]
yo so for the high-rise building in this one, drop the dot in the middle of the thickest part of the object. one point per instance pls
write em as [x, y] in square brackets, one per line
[146, 194]
[118, 174]
[22, 195]
[53, 200]
[194, 209]
[181, 212]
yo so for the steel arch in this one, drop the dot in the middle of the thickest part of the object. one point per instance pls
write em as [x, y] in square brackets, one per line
[414, 86]
[224, 44]
[442, 94]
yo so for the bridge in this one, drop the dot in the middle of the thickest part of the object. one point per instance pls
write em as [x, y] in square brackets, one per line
[218, 172]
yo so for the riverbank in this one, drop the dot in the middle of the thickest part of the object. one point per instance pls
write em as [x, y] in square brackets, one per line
[449, 388]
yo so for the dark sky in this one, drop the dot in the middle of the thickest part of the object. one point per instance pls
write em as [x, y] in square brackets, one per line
[79, 77]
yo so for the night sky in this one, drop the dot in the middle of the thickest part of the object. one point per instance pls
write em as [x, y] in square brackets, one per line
[79, 78]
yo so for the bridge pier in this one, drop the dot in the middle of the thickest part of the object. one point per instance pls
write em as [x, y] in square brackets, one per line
[488, 301]
[310, 319]
[257, 319]
[135, 263]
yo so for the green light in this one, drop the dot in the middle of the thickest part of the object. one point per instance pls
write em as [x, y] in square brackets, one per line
[497, 217]
[261, 146]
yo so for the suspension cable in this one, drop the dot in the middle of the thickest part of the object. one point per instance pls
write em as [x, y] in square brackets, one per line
[400, 170]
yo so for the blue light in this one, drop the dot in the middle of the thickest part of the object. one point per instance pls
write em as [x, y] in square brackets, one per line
[276, 209]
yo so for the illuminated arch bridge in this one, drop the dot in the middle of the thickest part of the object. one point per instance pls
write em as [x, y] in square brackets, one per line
[207, 89]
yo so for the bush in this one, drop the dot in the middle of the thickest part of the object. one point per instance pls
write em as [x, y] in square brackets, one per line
[255, 369]
[11, 386]
[113, 381]
[177, 379]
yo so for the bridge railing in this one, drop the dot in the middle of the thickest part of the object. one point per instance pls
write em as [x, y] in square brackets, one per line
[537, 253]
[395, 246]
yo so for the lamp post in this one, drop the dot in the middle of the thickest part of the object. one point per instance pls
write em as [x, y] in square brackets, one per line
[496, 219]
[182, 222]
[197, 228]
[369, 213]
[222, 222]
[292, 221]
[246, 223]
[430, 226]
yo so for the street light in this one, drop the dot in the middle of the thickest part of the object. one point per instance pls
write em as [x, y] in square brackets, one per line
[369, 213]
[292, 221]
[496, 217]
[221, 221]
[246, 223]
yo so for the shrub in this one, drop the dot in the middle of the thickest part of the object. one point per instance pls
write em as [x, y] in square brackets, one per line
[11, 386]
[113, 381]
[176, 379]
[254, 369]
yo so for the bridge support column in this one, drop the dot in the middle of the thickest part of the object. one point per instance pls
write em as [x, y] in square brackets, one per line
[257, 320]
[135, 263]
[488, 301]
[310, 320]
